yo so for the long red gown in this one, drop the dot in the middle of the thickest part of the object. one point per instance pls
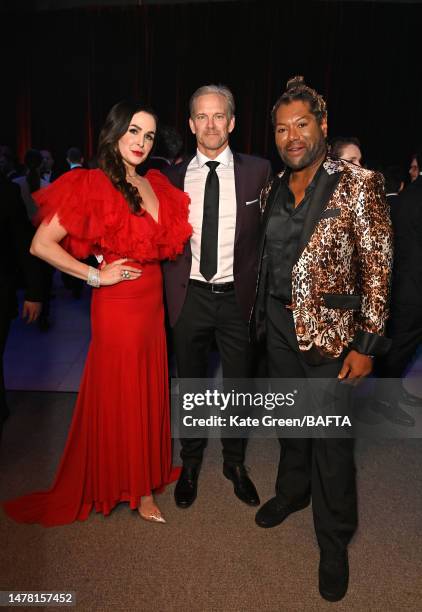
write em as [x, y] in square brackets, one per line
[119, 445]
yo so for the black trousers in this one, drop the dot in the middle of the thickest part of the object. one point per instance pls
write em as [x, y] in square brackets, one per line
[322, 468]
[206, 318]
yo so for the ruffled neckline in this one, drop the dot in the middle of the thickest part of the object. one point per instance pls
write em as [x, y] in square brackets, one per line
[98, 218]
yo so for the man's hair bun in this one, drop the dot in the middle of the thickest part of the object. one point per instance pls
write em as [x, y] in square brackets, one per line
[296, 89]
[294, 82]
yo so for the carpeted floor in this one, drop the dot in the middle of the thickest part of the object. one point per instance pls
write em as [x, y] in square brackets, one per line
[210, 557]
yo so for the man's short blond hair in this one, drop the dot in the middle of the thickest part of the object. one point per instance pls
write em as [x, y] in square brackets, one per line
[221, 90]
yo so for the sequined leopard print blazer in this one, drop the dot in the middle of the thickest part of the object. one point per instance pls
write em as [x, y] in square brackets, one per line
[340, 281]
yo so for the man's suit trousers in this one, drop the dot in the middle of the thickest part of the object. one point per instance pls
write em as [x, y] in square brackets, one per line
[206, 318]
[322, 468]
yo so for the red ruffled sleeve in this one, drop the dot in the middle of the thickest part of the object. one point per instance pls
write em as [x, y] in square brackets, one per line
[77, 197]
[98, 218]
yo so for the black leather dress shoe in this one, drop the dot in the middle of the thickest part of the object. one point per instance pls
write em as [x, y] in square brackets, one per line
[244, 488]
[409, 398]
[187, 485]
[393, 413]
[333, 575]
[276, 510]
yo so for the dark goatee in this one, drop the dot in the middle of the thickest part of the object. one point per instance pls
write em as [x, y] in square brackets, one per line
[318, 150]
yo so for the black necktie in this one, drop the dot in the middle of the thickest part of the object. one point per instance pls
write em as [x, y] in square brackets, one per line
[209, 235]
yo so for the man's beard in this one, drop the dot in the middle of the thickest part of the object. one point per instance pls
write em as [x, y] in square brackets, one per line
[310, 156]
[217, 144]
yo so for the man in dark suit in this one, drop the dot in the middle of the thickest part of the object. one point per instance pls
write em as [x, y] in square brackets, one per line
[8, 163]
[74, 158]
[167, 150]
[405, 323]
[210, 288]
[48, 174]
[15, 238]
[325, 259]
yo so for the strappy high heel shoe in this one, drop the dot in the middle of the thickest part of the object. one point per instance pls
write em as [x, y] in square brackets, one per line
[153, 517]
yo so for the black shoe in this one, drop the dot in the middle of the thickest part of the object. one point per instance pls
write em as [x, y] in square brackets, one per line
[393, 413]
[187, 485]
[409, 398]
[333, 575]
[244, 488]
[276, 510]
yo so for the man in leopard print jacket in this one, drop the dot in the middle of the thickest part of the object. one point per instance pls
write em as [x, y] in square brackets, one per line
[324, 272]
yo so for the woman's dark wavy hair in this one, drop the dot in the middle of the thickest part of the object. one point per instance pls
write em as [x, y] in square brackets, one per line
[296, 89]
[109, 158]
[33, 162]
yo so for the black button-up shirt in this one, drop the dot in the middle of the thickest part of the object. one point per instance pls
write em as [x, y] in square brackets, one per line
[282, 237]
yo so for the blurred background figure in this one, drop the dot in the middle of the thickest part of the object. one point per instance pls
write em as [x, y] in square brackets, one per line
[74, 158]
[168, 149]
[47, 173]
[28, 184]
[414, 169]
[348, 148]
[17, 268]
[31, 181]
[8, 163]
[405, 323]
[394, 184]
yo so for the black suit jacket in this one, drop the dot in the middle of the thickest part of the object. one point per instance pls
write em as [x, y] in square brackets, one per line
[16, 233]
[406, 215]
[251, 175]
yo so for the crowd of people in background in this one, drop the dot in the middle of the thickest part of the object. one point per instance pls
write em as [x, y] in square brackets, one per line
[38, 169]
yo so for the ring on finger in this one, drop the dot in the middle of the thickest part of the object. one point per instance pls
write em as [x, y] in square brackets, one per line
[125, 274]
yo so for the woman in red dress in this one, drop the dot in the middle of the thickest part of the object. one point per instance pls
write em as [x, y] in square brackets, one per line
[119, 445]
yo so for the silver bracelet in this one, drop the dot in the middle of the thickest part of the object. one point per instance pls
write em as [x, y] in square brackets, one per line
[93, 277]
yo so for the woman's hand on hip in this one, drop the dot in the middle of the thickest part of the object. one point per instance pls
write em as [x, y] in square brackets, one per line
[118, 271]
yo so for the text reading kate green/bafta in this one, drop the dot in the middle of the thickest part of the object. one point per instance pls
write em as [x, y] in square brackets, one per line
[329, 420]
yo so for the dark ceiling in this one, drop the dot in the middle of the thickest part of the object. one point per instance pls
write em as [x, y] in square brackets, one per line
[57, 5]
